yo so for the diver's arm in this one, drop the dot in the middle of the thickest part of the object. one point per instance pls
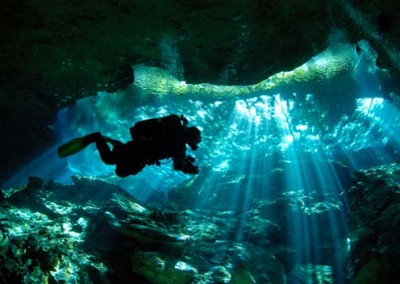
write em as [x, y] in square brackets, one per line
[184, 163]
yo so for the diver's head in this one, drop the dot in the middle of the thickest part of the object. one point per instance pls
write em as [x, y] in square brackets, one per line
[192, 137]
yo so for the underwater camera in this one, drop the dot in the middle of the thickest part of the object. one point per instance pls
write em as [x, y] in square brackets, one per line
[187, 166]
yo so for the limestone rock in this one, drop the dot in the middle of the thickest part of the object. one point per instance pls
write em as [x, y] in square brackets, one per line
[374, 220]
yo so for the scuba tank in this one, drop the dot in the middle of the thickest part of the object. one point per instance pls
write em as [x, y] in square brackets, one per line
[158, 129]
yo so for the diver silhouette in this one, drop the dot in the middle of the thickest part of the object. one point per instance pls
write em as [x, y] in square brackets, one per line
[152, 140]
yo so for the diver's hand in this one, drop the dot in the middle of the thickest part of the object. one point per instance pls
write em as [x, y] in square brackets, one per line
[186, 166]
[185, 122]
[190, 159]
[193, 170]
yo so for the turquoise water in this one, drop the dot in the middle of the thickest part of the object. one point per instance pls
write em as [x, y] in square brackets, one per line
[298, 143]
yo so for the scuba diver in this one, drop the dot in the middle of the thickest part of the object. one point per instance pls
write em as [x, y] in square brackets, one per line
[152, 140]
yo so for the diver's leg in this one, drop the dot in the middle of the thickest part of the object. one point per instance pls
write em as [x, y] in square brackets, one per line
[91, 138]
[106, 154]
[130, 159]
[123, 170]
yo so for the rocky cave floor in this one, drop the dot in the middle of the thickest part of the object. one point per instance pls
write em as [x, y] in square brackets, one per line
[94, 232]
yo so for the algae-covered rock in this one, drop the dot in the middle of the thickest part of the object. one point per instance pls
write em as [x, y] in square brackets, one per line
[374, 220]
[54, 232]
[371, 272]
[220, 274]
[159, 269]
[146, 234]
[93, 231]
[243, 276]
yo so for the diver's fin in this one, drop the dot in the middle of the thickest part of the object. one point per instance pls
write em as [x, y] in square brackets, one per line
[72, 147]
[78, 144]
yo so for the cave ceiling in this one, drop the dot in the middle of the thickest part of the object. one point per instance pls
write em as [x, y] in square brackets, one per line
[55, 52]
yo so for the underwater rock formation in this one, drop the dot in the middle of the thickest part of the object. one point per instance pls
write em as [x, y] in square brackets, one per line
[92, 231]
[76, 232]
[79, 48]
[374, 221]
[86, 46]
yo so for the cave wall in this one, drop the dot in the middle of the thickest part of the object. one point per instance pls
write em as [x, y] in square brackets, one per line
[55, 52]
[375, 21]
